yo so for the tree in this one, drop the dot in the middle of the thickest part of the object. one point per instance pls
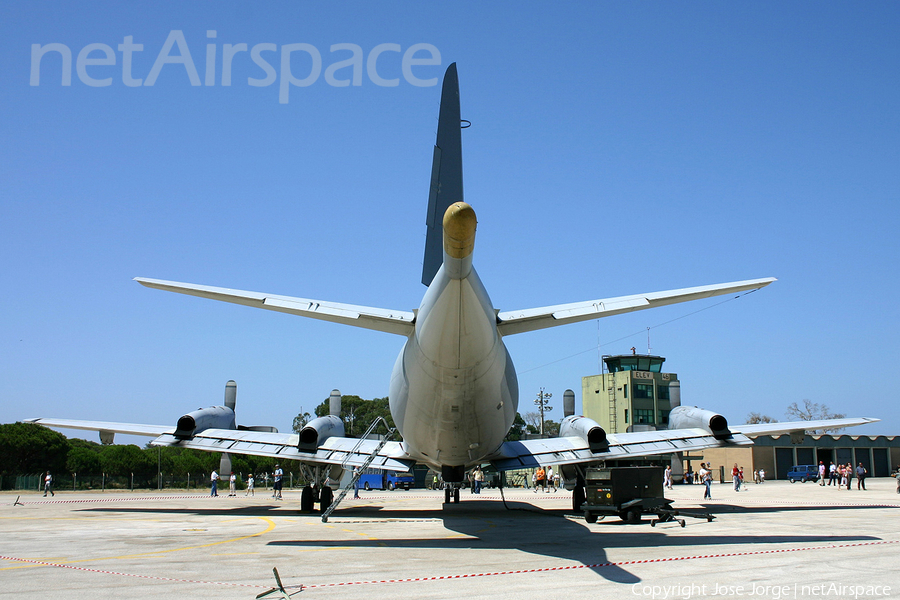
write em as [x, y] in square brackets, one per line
[28, 448]
[358, 413]
[300, 421]
[755, 417]
[533, 422]
[517, 431]
[551, 428]
[813, 411]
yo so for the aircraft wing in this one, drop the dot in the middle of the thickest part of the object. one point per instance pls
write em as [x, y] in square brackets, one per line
[519, 321]
[346, 452]
[529, 454]
[390, 321]
[758, 429]
[127, 428]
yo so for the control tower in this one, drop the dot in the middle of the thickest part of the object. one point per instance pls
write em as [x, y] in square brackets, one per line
[633, 394]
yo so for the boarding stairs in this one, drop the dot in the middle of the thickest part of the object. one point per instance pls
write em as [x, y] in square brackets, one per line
[362, 468]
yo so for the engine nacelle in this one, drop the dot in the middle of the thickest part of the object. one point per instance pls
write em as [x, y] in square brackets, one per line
[318, 430]
[214, 417]
[588, 430]
[688, 417]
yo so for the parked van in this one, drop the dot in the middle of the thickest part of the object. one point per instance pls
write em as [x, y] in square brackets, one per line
[803, 473]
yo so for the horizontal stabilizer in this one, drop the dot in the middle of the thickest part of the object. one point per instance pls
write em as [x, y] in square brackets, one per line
[758, 429]
[389, 321]
[519, 321]
[126, 428]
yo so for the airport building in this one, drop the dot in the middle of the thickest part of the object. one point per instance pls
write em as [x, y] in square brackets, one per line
[634, 394]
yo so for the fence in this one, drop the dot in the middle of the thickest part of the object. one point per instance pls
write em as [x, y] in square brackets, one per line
[104, 481]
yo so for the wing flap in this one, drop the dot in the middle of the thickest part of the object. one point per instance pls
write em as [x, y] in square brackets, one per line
[347, 452]
[398, 322]
[519, 321]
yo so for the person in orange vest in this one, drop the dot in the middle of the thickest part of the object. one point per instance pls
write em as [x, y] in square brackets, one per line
[540, 480]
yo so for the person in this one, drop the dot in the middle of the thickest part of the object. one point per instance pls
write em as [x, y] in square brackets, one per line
[279, 474]
[756, 476]
[550, 480]
[898, 479]
[821, 473]
[356, 478]
[477, 479]
[736, 477]
[706, 479]
[741, 477]
[540, 480]
[214, 483]
[843, 471]
[762, 475]
[250, 491]
[667, 477]
[832, 473]
[849, 475]
[48, 484]
[232, 483]
[861, 477]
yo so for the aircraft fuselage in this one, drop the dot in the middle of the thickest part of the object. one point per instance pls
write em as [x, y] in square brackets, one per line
[454, 391]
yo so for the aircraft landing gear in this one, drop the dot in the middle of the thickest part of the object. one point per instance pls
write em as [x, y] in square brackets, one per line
[451, 493]
[308, 499]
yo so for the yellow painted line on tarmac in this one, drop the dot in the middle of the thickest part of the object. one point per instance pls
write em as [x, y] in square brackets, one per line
[269, 527]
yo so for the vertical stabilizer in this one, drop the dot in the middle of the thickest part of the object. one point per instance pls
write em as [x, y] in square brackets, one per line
[446, 173]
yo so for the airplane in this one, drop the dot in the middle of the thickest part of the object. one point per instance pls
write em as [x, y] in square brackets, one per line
[453, 389]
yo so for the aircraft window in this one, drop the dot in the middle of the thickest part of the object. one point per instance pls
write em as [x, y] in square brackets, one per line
[662, 392]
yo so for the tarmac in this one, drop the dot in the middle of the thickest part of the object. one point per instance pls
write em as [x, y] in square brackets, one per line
[773, 541]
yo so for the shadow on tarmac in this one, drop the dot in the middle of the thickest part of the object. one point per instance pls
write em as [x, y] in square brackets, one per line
[489, 525]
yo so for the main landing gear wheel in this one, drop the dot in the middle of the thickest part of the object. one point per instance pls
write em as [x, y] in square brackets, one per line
[307, 501]
[456, 495]
[446, 495]
[326, 498]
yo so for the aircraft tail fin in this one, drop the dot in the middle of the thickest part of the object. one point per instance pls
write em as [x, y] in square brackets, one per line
[446, 173]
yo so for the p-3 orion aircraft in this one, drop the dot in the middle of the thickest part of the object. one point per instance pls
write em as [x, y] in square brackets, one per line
[453, 389]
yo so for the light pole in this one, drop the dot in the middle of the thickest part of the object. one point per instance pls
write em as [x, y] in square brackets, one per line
[541, 402]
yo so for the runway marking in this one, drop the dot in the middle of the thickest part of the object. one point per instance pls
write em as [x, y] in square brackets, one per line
[451, 577]
[269, 527]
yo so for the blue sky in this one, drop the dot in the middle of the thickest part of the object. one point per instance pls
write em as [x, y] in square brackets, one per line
[615, 148]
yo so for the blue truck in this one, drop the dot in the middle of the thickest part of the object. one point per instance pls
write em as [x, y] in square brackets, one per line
[373, 479]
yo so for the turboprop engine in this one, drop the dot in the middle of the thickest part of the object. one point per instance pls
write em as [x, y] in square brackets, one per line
[214, 417]
[588, 430]
[689, 417]
[318, 430]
